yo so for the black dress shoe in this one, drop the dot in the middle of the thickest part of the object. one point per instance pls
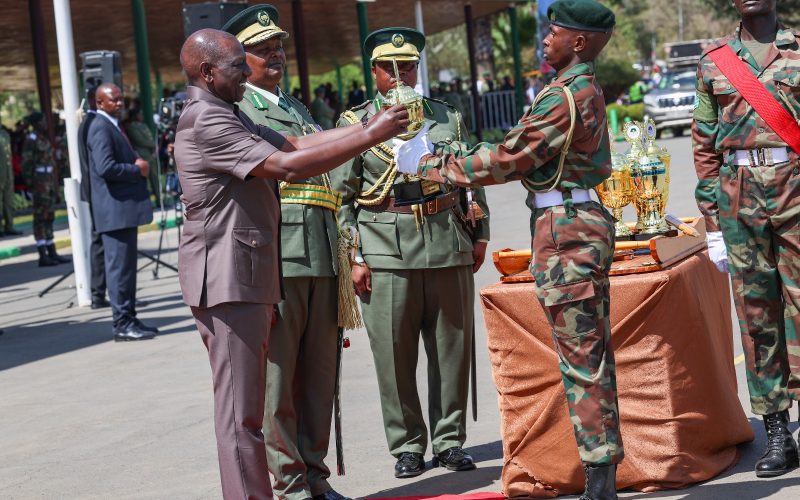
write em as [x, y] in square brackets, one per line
[454, 458]
[132, 332]
[145, 328]
[331, 495]
[780, 456]
[409, 465]
[100, 303]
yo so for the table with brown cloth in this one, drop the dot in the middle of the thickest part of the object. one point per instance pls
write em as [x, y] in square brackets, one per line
[681, 418]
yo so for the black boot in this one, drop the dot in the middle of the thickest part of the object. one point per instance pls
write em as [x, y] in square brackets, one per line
[44, 259]
[601, 482]
[51, 252]
[781, 454]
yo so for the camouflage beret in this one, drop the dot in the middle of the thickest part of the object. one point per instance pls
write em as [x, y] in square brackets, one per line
[581, 15]
[402, 44]
[255, 24]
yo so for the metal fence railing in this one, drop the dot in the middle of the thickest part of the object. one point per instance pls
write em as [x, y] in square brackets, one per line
[498, 110]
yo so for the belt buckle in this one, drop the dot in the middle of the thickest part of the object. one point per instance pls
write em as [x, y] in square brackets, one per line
[432, 206]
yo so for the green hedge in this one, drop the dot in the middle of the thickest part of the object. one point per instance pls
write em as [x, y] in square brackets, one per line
[632, 111]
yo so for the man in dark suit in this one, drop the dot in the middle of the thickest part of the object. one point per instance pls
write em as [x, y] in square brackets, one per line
[118, 183]
[96, 254]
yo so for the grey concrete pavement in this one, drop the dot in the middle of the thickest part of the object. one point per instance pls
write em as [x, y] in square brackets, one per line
[84, 417]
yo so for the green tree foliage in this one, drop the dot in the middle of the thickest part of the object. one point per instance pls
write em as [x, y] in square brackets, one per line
[615, 76]
[502, 43]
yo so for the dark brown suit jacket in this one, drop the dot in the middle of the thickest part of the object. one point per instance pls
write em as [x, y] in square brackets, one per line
[229, 249]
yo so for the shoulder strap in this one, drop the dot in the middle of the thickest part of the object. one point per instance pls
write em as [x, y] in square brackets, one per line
[533, 186]
[757, 95]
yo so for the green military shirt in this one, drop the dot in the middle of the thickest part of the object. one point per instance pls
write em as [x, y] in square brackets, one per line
[36, 152]
[393, 241]
[723, 119]
[309, 233]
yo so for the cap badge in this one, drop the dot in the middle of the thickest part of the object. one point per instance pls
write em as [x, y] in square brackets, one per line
[398, 40]
[263, 18]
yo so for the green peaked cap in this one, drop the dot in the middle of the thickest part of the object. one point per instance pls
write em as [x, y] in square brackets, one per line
[403, 44]
[255, 24]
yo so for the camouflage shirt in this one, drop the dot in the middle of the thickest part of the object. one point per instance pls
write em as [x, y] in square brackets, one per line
[724, 121]
[36, 152]
[532, 148]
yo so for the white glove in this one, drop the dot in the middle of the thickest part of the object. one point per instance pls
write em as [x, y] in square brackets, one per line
[410, 152]
[716, 250]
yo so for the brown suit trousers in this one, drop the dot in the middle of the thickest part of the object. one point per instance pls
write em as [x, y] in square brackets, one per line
[236, 334]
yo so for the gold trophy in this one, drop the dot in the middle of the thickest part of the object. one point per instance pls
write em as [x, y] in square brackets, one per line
[616, 192]
[413, 191]
[407, 97]
[651, 180]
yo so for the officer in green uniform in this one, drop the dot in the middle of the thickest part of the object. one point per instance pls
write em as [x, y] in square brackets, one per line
[413, 270]
[6, 186]
[38, 172]
[301, 359]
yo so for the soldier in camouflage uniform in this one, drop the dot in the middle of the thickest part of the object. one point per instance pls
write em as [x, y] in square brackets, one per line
[6, 186]
[413, 272]
[301, 359]
[39, 176]
[748, 191]
[573, 236]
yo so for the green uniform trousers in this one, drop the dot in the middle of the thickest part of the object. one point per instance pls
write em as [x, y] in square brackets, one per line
[759, 208]
[44, 198]
[438, 303]
[572, 256]
[301, 371]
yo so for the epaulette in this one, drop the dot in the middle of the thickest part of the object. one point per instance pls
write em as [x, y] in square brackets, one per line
[441, 102]
[361, 106]
[719, 42]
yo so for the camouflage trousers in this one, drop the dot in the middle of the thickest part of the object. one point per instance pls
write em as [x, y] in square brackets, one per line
[44, 199]
[571, 260]
[759, 214]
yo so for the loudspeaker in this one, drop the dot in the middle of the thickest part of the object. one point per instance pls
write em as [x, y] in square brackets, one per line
[101, 66]
[197, 16]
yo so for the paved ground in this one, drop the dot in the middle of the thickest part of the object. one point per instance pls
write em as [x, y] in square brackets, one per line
[83, 417]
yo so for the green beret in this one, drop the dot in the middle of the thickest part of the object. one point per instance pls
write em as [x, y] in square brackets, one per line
[402, 44]
[34, 118]
[255, 24]
[581, 15]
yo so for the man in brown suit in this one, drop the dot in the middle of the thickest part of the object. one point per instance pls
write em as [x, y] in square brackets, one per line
[229, 258]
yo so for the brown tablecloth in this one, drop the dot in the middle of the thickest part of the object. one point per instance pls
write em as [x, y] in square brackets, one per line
[680, 414]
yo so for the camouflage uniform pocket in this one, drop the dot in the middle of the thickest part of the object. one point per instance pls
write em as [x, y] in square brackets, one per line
[732, 105]
[572, 308]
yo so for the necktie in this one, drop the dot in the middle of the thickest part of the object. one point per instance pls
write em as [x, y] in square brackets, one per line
[283, 103]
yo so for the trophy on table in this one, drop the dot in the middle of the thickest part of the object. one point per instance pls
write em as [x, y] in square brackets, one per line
[617, 191]
[414, 190]
[650, 176]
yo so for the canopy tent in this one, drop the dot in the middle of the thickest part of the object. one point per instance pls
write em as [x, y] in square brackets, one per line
[331, 31]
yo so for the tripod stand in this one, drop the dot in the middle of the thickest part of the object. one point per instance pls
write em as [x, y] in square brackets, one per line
[170, 187]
